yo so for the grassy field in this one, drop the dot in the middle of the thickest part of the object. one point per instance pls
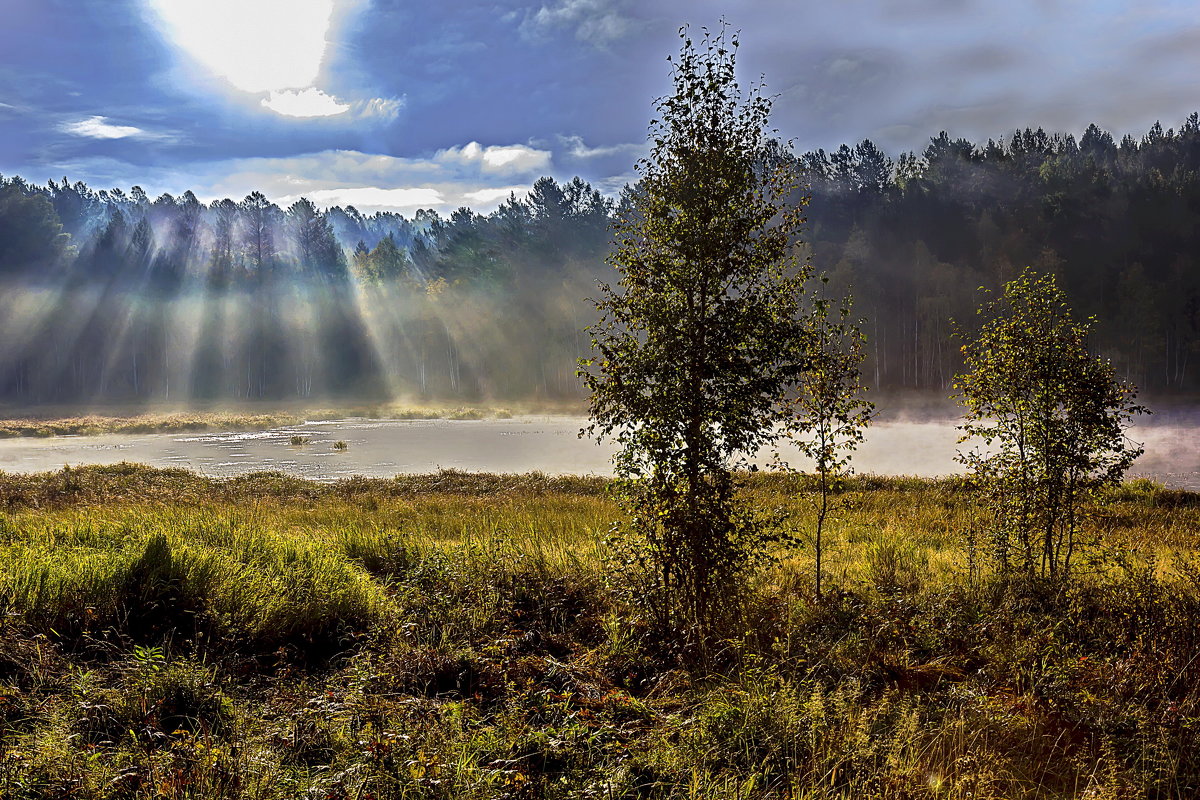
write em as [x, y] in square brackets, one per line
[454, 636]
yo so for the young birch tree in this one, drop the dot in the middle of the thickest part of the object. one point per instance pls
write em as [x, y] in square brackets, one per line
[1052, 418]
[700, 344]
[830, 414]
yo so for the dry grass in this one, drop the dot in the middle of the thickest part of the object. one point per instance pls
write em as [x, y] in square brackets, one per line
[455, 636]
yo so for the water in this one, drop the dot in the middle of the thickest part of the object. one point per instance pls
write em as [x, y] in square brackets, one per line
[380, 448]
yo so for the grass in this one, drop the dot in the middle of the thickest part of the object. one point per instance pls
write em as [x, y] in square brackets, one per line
[163, 634]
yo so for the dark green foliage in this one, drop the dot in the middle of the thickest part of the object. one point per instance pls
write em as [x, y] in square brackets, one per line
[1052, 418]
[698, 347]
[385, 264]
[318, 254]
[31, 237]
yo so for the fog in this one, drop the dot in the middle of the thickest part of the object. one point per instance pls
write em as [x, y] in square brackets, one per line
[922, 445]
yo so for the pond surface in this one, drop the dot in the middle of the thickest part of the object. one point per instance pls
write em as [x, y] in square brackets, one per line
[381, 448]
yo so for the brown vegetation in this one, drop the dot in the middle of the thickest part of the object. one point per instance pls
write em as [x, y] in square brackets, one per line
[454, 636]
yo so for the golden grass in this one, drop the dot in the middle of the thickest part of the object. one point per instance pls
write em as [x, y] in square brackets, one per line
[452, 635]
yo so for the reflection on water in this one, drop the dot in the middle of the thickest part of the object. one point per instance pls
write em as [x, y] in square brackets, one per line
[549, 444]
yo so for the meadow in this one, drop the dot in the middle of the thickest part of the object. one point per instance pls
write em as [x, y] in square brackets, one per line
[453, 635]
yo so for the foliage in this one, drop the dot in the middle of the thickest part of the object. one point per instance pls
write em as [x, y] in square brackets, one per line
[386, 263]
[318, 253]
[31, 237]
[829, 413]
[1053, 418]
[698, 346]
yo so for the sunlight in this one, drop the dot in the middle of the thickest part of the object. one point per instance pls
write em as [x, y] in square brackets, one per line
[256, 45]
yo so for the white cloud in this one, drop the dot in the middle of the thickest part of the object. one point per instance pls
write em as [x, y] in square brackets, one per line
[510, 159]
[482, 197]
[471, 175]
[99, 127]
[372, 198]
[313, 102]
[599, 22]
[442, 197]
[310, 102]
[577, 148]
[382, 107]
[369, 181]
[613, 185]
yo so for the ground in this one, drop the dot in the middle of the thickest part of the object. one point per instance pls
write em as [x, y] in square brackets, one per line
[460, 636]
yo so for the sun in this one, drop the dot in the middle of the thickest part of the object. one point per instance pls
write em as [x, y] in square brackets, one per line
[256, 45]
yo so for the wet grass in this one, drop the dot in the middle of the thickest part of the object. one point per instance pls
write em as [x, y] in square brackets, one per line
[455, 636]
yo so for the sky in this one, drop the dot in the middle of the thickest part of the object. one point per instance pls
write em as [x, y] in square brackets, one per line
[398, 105]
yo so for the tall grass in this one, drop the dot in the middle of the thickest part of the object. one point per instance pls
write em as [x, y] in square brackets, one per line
[458, 636]
[148, 574]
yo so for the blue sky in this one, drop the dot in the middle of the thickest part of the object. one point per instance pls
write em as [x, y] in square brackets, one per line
[397, 104]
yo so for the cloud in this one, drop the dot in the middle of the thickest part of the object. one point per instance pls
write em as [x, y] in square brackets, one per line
[508, 159]
[441, 197]
[598, 22]
[386, 108]
[313, 102]
[577, 148]
[310, 102]
[99, 127]
[471, 175]
[372, 198]
[613, 185]
[481, 197]
[1178, 46]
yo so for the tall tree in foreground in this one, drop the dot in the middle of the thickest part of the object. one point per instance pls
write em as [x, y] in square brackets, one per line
[1052, 417]
[699, 345]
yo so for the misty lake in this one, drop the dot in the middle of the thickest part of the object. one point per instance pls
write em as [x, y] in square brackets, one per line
[378, 448]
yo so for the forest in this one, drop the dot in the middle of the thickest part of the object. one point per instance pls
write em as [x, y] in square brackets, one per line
[111, 296]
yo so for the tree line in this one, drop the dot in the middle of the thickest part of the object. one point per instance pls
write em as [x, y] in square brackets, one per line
[114, 295]
[1114, 222]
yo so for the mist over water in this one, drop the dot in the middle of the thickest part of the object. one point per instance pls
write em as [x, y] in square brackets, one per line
[922, 445]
